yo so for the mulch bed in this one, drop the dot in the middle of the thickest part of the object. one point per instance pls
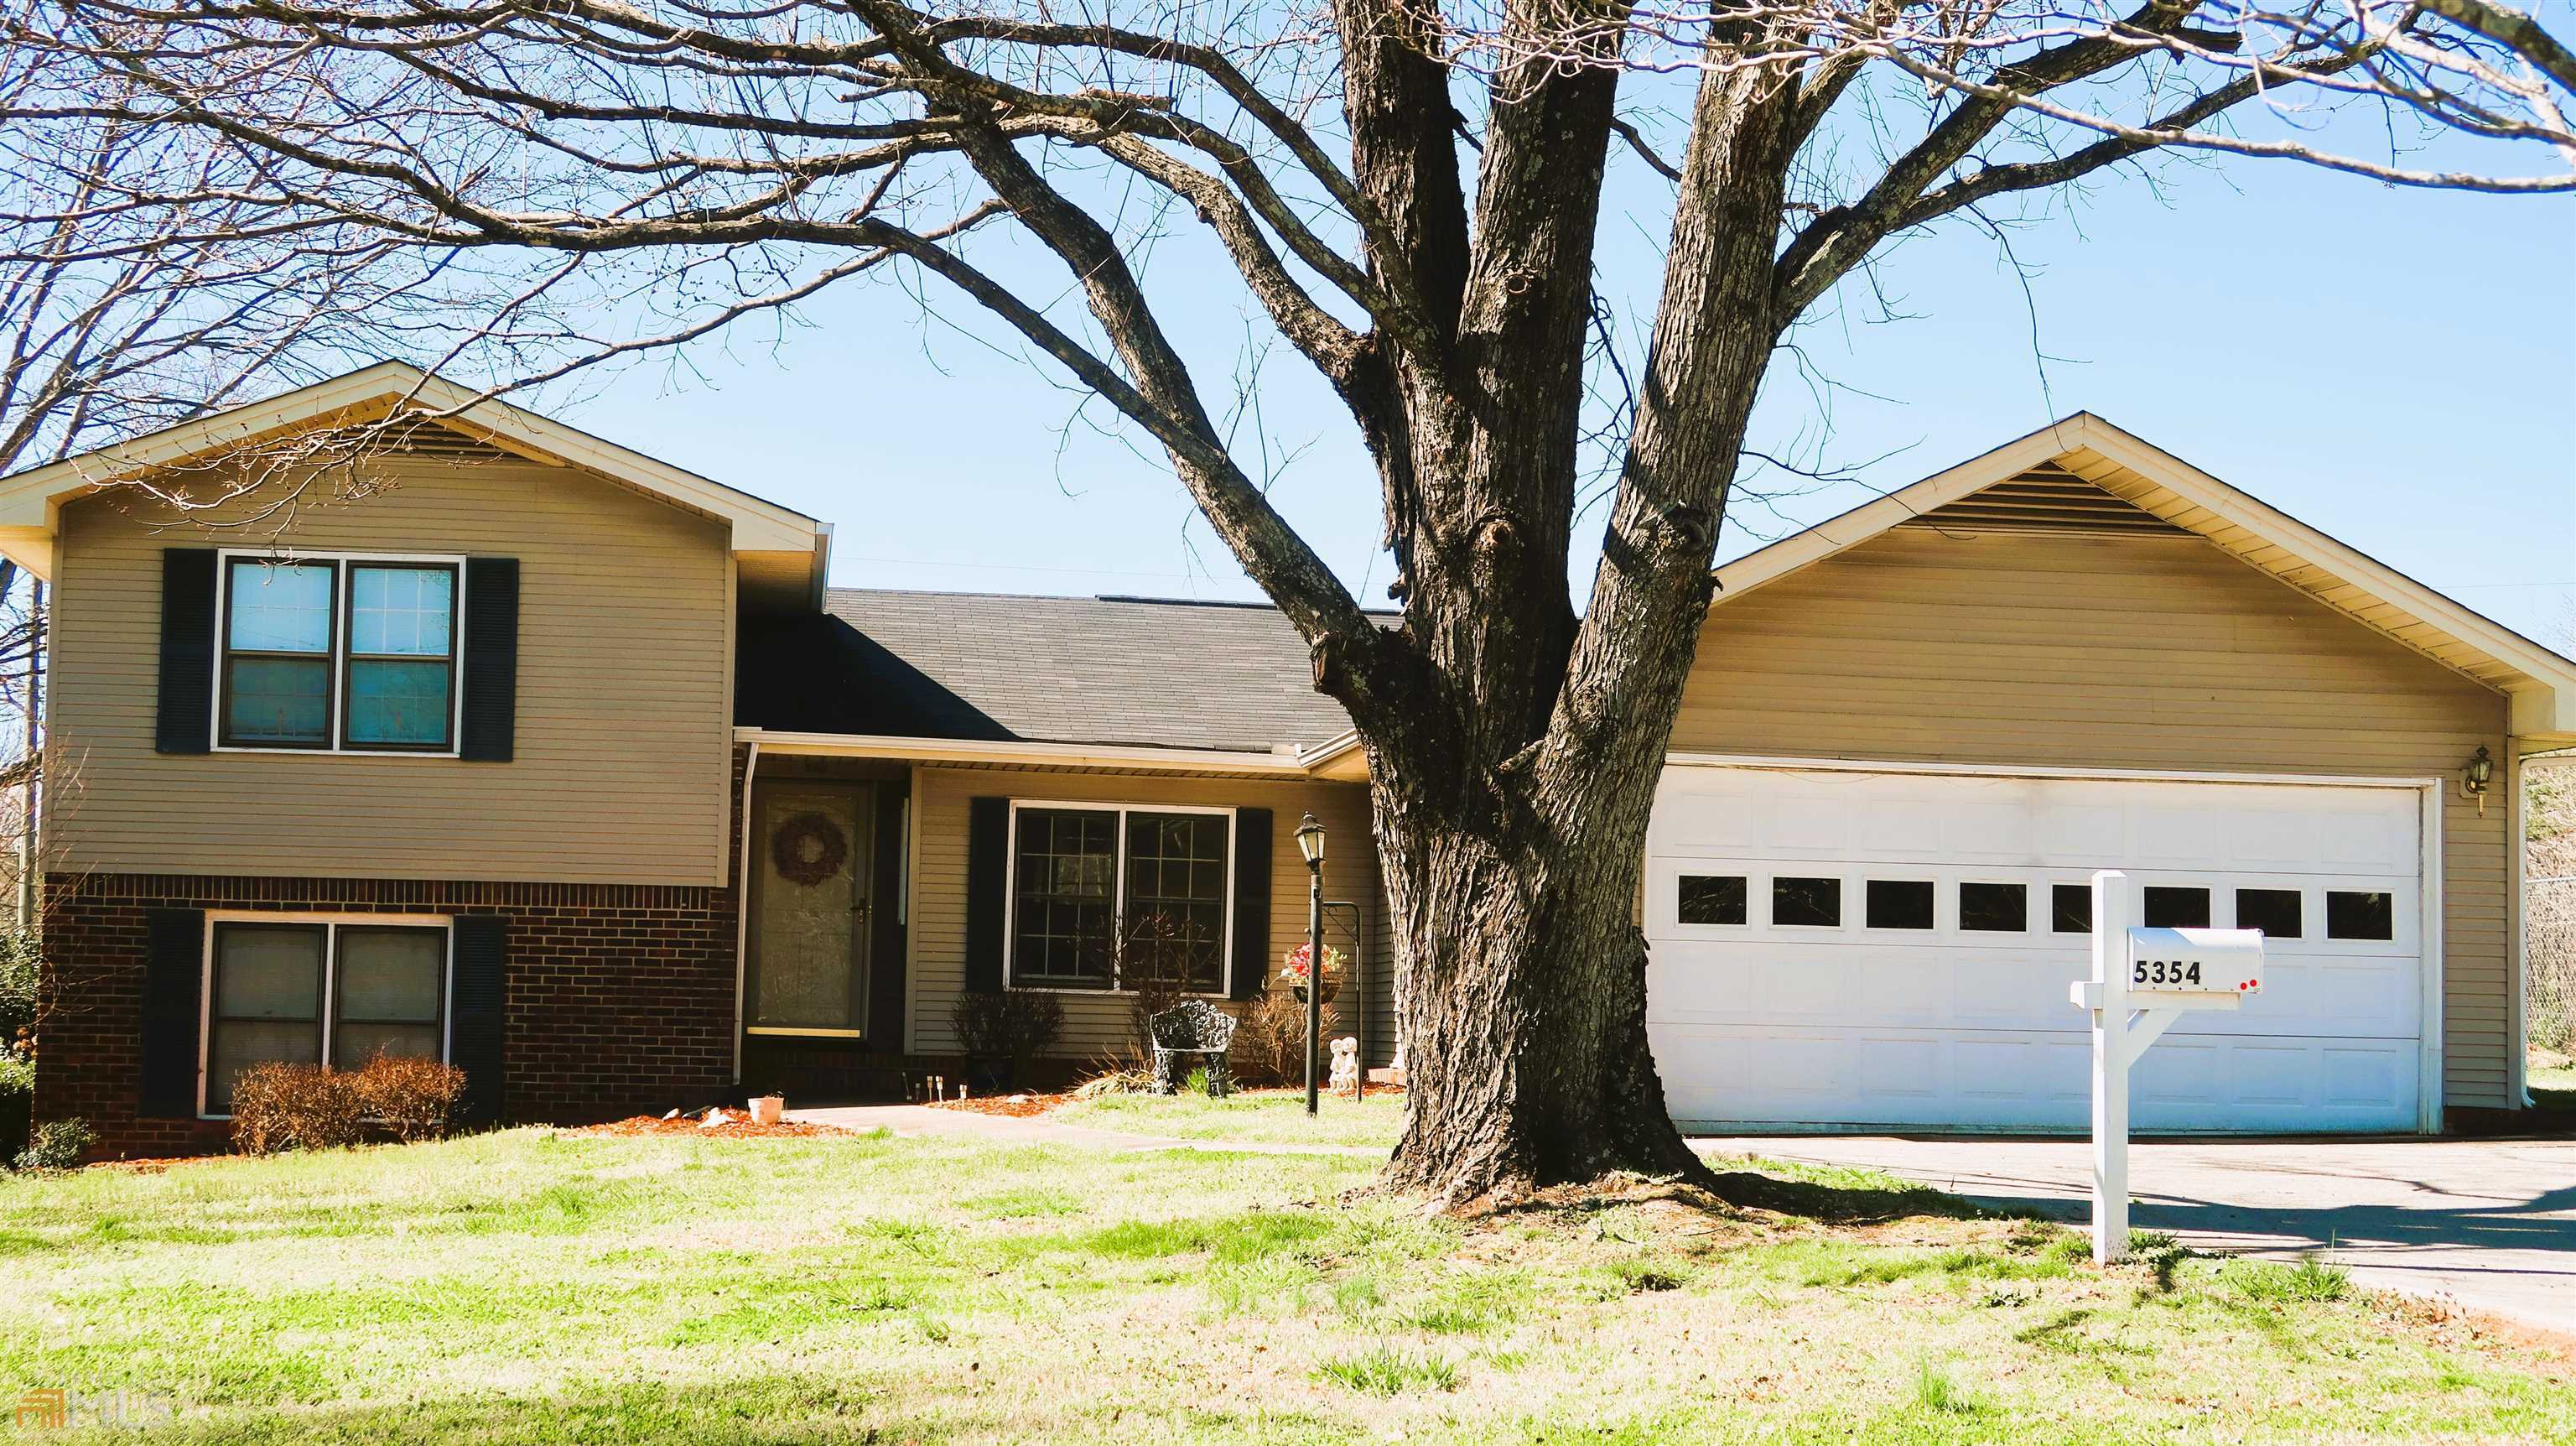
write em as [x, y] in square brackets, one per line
[1028, 1104]
[1018, 1107]
[731, 1125]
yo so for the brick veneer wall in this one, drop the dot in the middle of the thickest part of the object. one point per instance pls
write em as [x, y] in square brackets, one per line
[620, 997]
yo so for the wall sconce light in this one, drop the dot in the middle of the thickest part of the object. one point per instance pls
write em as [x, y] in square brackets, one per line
[2475, 778]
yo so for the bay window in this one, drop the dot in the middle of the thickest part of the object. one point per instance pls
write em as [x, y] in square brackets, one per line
[339, 654]
[303, 992]
[1102, 894]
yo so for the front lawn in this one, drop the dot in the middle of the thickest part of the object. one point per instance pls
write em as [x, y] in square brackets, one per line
[1269, 1117]
[534, 1286]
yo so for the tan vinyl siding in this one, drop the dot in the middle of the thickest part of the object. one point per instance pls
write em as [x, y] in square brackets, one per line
[1097, 1025]
[2121, 652]
[624, 717]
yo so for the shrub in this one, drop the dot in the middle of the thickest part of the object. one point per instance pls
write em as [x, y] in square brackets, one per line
[1270, 1043]
[278, 1106]
[21, 979]
[1019, 1023]
[56, 1145]
[415, 1098]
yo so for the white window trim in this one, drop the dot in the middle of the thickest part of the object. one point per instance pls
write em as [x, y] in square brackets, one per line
[340, 601]
[330, 977]
[1117, 888]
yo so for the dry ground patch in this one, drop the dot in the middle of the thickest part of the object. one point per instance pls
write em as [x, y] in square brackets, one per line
[536, 1286]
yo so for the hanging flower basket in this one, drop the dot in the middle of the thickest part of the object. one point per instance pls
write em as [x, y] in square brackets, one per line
[1295, 972]
[808, 848]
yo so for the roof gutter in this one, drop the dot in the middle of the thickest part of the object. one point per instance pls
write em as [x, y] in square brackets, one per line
[1130, 757]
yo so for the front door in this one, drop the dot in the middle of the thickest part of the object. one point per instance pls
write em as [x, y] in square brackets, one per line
[810, 878]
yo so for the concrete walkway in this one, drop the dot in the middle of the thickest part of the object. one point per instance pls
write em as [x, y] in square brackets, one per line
[912, 1121]
[2489, 1223]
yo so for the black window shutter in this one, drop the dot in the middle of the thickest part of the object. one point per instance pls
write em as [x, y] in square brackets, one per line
[480, 992]
[988, 909]
[1251, 902]
[174, 967]
[187, 710]
[491, 658]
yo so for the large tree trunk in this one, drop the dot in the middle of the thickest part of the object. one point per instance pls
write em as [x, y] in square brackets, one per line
[1511, 799]
[1524, 1010]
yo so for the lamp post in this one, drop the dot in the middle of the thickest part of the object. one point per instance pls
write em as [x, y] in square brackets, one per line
[1310, 842]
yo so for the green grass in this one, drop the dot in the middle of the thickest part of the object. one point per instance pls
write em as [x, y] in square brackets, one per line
[529, 1286]
[2553, 1089]
[1267, 1117]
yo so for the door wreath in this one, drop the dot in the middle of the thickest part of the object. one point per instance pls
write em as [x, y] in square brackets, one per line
[807, 849]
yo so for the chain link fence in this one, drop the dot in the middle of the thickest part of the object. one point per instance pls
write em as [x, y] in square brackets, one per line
[2549, 957]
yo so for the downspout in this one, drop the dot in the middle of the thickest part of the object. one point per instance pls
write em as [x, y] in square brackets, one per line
[742, 906]
[27, 751]
[29, 740]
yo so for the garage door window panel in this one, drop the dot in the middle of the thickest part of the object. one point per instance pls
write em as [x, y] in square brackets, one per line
[1992, 908]
[1806, 902]
[2070, 908]
[1898, 904]
[2173, 906]
[1710, 900]
[2274, 911]
[2364, 915]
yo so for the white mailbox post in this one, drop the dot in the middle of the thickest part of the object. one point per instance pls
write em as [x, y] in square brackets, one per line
[2143, 980]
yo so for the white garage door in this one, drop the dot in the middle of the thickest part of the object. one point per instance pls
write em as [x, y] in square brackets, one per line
[1886, 949]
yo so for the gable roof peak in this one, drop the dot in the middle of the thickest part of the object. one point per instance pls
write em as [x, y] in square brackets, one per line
[2540, 683]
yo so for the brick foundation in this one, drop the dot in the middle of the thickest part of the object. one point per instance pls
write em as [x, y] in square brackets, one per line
[620, 997]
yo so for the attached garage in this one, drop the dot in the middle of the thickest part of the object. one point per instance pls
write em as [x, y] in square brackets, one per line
[1892, 949]
[1912, 732]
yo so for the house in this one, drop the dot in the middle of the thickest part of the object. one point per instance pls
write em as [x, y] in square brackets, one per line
[567, 765]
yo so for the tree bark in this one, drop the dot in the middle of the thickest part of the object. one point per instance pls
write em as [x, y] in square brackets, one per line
[1525, 1005]
[1511, 822]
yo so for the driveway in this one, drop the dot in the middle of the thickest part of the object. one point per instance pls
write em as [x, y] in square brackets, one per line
[2489, 1223]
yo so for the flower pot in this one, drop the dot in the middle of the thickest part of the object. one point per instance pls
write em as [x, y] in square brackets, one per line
[768, 1109]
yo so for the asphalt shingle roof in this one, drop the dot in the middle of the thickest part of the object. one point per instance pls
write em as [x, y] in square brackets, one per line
[1036, 669]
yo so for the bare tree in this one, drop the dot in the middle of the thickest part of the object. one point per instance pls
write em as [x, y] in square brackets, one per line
[1411, 194]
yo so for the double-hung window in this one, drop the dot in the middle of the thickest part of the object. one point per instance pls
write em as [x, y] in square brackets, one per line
[303, 992]
[346, 654]
[1101, 894]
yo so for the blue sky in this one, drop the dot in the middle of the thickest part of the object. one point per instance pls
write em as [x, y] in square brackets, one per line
[2397, 368]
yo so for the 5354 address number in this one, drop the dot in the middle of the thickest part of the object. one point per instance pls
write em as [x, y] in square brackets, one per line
[2164, 971]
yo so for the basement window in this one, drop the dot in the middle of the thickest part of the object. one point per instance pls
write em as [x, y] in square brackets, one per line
[302, 992]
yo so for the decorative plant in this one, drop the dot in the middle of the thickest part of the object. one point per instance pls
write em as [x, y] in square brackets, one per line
[1298, 962]
[56, 1145]
[1272, 1039]
[413, 1097]
[1019, 1024]
[278, 1106]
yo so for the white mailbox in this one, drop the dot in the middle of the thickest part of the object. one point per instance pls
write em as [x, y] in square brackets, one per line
[2143, 980]
[2196, 962]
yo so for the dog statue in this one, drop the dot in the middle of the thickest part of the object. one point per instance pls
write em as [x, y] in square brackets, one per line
[1346, 1064]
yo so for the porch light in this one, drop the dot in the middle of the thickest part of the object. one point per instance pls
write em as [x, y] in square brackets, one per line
[2475, 778]
[1310, 839]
